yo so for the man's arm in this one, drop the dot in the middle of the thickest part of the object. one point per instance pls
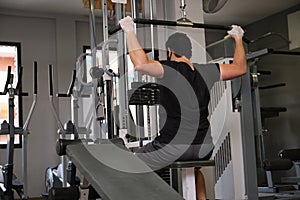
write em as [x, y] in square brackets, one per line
[137, 54]
[239, 65]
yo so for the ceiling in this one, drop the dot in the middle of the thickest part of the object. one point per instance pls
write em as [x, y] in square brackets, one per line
[241, 12]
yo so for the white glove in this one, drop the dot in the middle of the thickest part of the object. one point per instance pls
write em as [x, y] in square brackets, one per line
[236, 31]
[127, 24]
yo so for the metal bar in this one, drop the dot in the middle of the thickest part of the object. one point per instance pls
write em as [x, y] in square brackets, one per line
[105, 59]
[272, 86]
[10, 147]
[291, 53]
[60, 125]
[269, 179]
[124, 120]
[139, 108]
[109, 116]
[94, 80]
[247, 123]
[257, 54]
[25, 134]
[270, 51]
[25, 127]
[104, 17]
[172, 23]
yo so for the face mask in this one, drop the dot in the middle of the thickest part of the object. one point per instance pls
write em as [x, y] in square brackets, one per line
[169, 57]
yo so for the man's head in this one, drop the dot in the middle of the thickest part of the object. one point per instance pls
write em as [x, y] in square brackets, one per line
[180, 44]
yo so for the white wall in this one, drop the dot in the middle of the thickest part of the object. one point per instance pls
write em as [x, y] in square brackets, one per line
[56, 40]
[38, 42]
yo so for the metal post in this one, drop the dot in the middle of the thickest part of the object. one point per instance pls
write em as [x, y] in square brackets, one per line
[10, 146]
[105, 21]
[24, 147]
[25, 134]
[257, 115]
[74, 110]
[24, 162]
[123, 70]
[94, 80]
[139, 108]
[108, 88]
[248, 139]
[60, 125]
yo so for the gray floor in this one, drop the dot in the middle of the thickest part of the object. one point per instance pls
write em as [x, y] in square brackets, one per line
[288, 195]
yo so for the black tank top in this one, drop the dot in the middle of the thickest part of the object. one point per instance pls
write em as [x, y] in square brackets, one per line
[184, 99]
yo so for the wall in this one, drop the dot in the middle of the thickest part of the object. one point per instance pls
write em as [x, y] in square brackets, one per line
[47, 39]
[283, 131]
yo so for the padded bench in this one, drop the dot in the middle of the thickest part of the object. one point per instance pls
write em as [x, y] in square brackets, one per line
[183, 176]
[271, 165]
[288, 159]
[294, 156]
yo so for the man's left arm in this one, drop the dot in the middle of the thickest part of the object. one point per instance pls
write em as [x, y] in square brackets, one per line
[137, 54]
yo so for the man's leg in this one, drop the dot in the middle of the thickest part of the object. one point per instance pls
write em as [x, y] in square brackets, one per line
[158, 156]
[200, 185]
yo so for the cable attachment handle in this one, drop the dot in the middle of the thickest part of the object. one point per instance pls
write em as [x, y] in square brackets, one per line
[9, 80]
[50, 74]
[26, 124]
[71, 86]
[35, 78]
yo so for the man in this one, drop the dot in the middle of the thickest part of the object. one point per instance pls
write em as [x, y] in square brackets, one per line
[184, 98]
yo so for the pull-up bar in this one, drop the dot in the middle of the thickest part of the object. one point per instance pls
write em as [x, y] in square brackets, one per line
[172, 23]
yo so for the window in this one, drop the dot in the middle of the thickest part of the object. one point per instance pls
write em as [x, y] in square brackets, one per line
[10, 55]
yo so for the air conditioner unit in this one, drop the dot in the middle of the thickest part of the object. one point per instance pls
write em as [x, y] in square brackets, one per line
[294, 30]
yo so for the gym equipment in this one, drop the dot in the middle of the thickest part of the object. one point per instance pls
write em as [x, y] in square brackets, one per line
[171, 23]
[61, 181]
[232, 128]
[183, 19]
[183, 176]
[273, 165]
[264, 165]
[10, 181]
[234, 153]
[58, 177]
[294, 156]
[113, 184]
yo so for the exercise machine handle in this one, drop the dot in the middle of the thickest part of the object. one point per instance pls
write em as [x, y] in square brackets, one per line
[18, 86]
[8, 81]
[272, 86]
[70, 89]
[18, 90]
[50, 80]
[25, 127]
[60, 125]
[35, 87]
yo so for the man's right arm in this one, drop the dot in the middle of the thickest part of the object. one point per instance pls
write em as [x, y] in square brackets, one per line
[239, 65]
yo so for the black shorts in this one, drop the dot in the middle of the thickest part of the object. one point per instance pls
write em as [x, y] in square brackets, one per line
[157, 155]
